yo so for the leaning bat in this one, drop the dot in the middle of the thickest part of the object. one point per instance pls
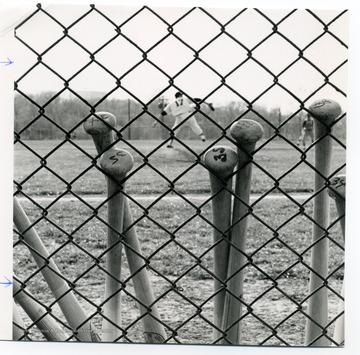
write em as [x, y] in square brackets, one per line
[246, 133]
[116, 163]
[325, 112]
[38, 314]
[101, 126]
[337, 192]
[74, 314]
[154, 330]
[221, 161]
[18, 326]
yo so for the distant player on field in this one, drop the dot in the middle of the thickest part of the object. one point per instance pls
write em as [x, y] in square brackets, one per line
[307, 131]
[181, 109]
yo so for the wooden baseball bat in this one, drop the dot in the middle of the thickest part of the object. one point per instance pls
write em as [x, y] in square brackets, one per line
[154, 331]
[221, 161]
[246, 133]
[100, 127]
[339, 331]
[325, 112]
[74, 314]
[18, 326]
[38, 314]
[337, 192]
[116, 163]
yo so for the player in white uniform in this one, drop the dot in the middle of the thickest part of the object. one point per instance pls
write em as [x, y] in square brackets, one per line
[182, 109]
[307, 131]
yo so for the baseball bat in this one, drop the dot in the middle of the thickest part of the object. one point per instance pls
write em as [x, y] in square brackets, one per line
[324, 112]
[18, 326]
[220, 161]
[100, 127]
[337, 192]
[116, 163]
[154, 331]
[246, 132]
[38, 314]
[74, 314]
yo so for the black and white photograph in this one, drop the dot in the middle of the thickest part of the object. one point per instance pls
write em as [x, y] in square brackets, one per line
[179, 175]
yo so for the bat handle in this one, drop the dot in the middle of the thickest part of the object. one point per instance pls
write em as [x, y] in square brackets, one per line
[18, 324]
[339, 334]
[318, 301]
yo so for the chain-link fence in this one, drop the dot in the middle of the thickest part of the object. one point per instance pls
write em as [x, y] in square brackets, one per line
[94, 261]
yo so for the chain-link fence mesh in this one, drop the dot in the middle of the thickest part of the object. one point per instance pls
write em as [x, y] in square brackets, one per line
[60, 251]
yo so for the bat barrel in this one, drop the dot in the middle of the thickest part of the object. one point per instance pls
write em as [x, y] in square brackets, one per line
[100, 126]
[339, 331]
[116, 163]
[153, 330]
[246, 132]
[325, 112]
[44, 322]
[66, 299]
[18, 327]
[221, 161]
[337, 191]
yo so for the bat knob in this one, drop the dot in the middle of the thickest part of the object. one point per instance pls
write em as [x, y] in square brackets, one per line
[337, 187]
[220, 159]
[117, 163]
[325, 110]
[246, 131]
[100, 123]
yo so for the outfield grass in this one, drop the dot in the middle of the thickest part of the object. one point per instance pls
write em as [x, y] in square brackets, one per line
[67, 164]
[174, 233]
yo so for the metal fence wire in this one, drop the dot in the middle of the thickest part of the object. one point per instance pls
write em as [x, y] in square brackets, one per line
[157, 277]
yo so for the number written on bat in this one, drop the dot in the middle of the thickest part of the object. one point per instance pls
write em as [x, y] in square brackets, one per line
[94, 119]
[221, 156]
[247, 124]
[114, 158]
[321, 103]
[338, 182]
[151, 337]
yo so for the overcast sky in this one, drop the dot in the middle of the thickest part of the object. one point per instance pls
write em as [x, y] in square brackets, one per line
[196, 30]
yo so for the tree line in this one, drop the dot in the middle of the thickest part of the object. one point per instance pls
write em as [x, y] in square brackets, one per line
[41, 116]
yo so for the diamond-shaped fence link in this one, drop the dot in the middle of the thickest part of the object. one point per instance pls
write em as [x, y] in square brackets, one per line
[175, 268]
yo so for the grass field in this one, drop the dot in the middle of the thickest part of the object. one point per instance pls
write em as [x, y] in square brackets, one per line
[276, 282]
[163, 167]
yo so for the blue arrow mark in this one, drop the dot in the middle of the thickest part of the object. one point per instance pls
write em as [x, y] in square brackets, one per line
[7, 283]
[8, 62]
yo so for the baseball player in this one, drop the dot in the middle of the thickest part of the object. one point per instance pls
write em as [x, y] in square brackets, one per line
[181, 109]
[307, 131]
